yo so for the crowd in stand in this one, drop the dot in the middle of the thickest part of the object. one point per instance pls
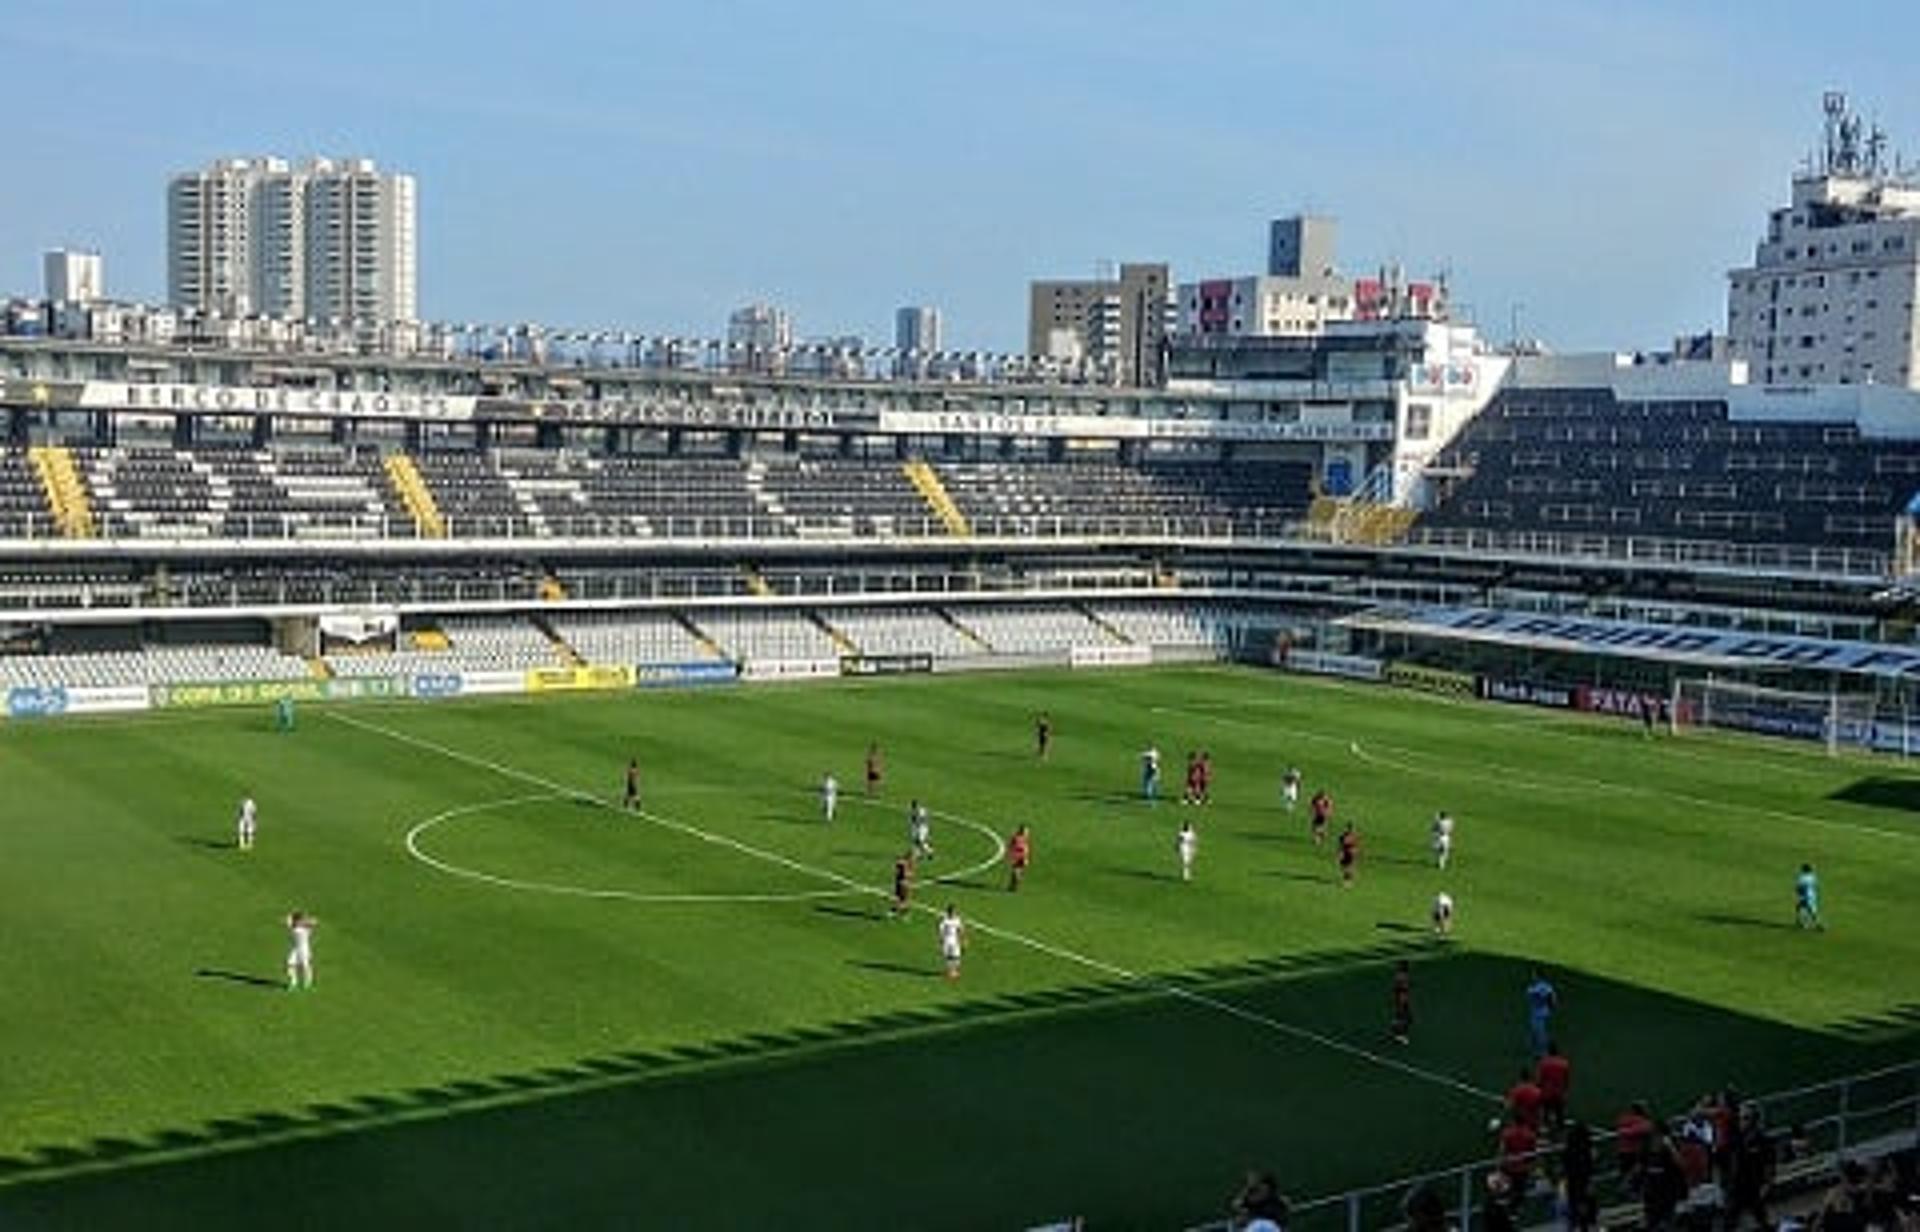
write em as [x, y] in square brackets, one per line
[1713, 1167]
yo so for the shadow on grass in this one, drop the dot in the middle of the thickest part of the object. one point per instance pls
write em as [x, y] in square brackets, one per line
[209, 844]
[1882, 792]
[583, 1142]
[893, 968]
[846, 913]
[239, 977]
[1731, 919]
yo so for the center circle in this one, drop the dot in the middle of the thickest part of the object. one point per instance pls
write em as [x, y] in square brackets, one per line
[417, 849]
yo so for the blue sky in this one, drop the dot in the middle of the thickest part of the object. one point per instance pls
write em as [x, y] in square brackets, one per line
[649, 167]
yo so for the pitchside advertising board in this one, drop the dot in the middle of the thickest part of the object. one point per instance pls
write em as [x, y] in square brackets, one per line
[195, 694]
[885, 665]
[51, 701]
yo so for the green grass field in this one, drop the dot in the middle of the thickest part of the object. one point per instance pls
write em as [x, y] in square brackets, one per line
[553, 1013]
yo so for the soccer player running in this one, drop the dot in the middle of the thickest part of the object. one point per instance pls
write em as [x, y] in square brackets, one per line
[300, 927]
[1806, 898]
[243, 838]
[1349, 855]
[1400, 1021]
[829, 795]
[876, 769]
[1290, 787]
[953, 940]
[1185, 845]
[1442, 914]
[902, 886]
[920, 831]
[631, 800]
[1150, 773]
[1542, 1001]
[1043, 734]
[1442, 837]
[1019, 852]
[1321, 808]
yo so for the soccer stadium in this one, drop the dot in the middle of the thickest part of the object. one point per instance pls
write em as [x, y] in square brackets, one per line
[534, 674]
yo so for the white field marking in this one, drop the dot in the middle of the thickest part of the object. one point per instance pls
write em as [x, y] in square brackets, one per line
[1514, 777]
[850, 885]
[418, 852]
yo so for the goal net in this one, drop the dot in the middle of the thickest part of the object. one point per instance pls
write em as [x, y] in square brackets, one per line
[1837, 720]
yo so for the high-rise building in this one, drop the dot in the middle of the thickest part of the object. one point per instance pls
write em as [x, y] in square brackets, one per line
[1833, 294]
[1302, 246]
[916, 330]
[328, 240]
[74, 277]
[1299, 294]
[1119, 321]
[760, 327]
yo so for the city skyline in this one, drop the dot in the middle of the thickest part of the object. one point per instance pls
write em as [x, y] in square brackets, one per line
[1589, 176]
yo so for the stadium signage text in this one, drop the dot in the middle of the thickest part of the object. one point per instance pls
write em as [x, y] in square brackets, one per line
[436, 686]
[1321, 663]
[699, 671]
[1109, 656]
[1525, 693]
[1706, 647]
[885, 664]
[256, 692]
[1123, 427]
[52, 701]
[789, 669]
[1431, 679]
[718, 415]
[36, 701]
[247, 400]
[574, 679]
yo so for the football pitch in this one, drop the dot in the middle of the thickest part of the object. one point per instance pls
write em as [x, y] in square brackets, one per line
[534, 1007]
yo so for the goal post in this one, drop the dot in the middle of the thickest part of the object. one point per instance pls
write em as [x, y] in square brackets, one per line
[1837, 720]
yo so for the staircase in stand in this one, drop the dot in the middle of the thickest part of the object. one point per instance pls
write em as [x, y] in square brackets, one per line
[926, 481]
[66, 493]
[411, 487]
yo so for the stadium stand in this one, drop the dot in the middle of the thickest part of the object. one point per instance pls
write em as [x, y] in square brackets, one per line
[474, 644]
[1177, 624]
[474, 495]
[1583, 463]
[301, 494]
[23, 503]
[1027, 630]
[143, 492]
[630, 637]
[901, 630]
[844, 497]
[747, 635]
[151, 665]
[1038, 498]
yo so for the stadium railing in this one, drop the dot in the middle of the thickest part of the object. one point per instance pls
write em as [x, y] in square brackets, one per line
[1789, 558]
[1814, 1128]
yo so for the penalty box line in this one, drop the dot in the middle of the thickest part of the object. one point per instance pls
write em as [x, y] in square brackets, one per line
[1162, 986]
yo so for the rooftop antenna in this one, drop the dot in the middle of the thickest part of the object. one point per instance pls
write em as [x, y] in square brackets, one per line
[1834, 104]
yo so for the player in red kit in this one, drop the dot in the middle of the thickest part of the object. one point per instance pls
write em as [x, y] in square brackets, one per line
[1019, 852]
[1524, 1098]
[1400, 1026]
[1321, 808]
[1554, 1077]
[902, 886]
[876, 768]
[1349, 855]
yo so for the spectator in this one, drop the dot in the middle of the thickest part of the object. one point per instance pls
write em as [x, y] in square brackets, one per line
[1576, 1178]
[1554, 1077]
[1259, 1199]
[1425, 1210]
[1517, 1145]
[1752, 1154]
[1849, 1203]
[1497, 1214]
[1523, 1100]
[1632, 1130]
[1663, 1183]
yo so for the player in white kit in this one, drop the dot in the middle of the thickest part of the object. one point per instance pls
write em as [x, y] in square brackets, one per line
[1443, 913]
[1290, 787]
[829, 795]
[953, 939]
[245, 826]
[300, 956]
[1442, 837]
[919, 831]
[1185, 845]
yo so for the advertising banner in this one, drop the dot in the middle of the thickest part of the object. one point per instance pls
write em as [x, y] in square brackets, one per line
[435, 686]
[258, 692]
[695, 672]
[33, 701]
[1109, 656]
[1356, 667]
[578, 679]
[493, 682]
[1431, 680]
[1525, 693]
[885, 665]
[1627, 703]
[789, 669]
